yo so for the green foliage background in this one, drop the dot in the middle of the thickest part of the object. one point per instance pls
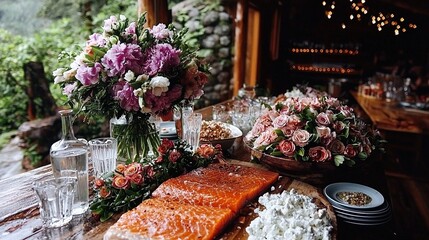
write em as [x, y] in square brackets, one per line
[28, 35]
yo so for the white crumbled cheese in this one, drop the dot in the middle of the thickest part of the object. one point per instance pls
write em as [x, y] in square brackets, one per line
[289, 215]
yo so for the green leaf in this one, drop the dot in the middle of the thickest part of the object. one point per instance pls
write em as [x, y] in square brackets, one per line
[362, 155]
[301, 152]
[277, 153]
[105, 216]
[338, 160]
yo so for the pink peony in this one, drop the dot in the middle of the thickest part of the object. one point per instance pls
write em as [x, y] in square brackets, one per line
[124, 93]
[164, 102]
[161, 58]
[121, 58]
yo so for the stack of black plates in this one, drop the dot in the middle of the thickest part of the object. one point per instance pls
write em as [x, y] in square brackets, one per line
[167, 130]
[358, 204]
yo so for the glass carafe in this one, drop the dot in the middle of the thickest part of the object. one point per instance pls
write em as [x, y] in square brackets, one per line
[69, 157]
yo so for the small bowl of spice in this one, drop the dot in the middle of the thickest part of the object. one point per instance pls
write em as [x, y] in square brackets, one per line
[353, 195]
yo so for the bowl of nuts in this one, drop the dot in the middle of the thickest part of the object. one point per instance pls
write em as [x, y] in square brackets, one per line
[214, 132]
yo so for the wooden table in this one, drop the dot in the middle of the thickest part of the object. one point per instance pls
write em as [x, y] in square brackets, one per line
[405, 129]
[19, 214]
[392, 117]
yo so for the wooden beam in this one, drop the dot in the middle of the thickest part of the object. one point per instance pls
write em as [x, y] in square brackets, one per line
[156, 11]
[241, 23]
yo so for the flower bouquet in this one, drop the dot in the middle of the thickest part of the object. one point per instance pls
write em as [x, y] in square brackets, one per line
[132, 71]
[128, 185]
[312, 129]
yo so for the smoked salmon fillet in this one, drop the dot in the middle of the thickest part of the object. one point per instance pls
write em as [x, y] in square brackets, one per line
[164, 219]
[218, 185]
[196, 205]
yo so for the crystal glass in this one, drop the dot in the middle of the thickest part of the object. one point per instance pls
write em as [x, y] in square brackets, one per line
[220, 114]
[103, 155]
[193, 130]
[70, 153]
[56, 197]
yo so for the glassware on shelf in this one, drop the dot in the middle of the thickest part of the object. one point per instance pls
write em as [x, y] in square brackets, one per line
[70, 154]
[247, 92]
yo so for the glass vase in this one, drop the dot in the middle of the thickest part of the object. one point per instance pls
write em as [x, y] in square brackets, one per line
[137, 138]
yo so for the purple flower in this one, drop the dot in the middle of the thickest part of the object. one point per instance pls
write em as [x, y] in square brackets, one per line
[124, 93]
[88, 75]
[110, 24]
[161, 58]
[131, 29]
[130, 33]
[122, 57]
[159, 103]
[96, 39]
[160, 31]
[69, 88]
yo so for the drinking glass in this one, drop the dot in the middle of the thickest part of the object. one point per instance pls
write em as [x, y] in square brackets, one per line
[193, 130]
[56, 196]
[104, 152]
[219, 113]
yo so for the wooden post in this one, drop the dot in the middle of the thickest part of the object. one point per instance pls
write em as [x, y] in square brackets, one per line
[241, 20]
[156, 11]
[38, 88]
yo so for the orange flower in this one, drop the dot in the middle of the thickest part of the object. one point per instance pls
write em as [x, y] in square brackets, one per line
[120, 182]
[104, 192]
[136, 179]
[132, 169]
[120, 168]
[99, 183]
[206, 151]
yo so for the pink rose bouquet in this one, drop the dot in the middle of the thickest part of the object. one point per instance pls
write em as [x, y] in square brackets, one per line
[128, 69]
[314, 128]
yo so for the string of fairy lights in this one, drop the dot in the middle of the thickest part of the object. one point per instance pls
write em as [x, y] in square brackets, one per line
[360, 9]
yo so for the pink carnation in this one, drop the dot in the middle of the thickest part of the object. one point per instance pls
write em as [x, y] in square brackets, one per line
[124, 93]
[88, 75]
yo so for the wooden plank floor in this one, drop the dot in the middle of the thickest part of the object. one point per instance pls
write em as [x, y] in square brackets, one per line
[410, 204]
